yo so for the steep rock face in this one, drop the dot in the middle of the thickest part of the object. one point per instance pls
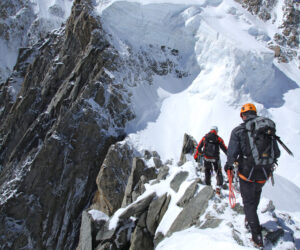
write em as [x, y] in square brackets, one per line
[55, 135]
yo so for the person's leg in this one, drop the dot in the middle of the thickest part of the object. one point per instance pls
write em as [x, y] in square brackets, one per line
[219, 175]
[251, 195]
[207, 166]
[258, 190]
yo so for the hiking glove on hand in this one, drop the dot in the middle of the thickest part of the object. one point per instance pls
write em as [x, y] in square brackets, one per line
[228, 167]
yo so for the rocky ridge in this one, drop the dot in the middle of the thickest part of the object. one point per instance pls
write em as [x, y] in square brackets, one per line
[146, 204]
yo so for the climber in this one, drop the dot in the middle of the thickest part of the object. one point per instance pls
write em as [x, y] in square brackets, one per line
[253, 146]
[211, 144]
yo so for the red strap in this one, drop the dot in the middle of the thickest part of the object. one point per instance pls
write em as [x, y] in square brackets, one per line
[232, 199]
[245, 179]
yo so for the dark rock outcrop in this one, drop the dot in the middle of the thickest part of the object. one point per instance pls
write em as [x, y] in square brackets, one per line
[56, 134]
[112, 178]
[140, 174]
[189, 147]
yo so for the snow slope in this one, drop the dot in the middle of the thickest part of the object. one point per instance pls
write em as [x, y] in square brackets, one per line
[224, 49]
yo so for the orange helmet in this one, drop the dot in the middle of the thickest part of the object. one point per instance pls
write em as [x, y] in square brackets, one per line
[247, 107]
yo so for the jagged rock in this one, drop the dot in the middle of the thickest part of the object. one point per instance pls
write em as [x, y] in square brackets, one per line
[137, 207]
[236, 236]
[274, 236]
[192, 211]
[139, 188]
[106, 246]
[147, 155]
[157, 162]
[122, 236]
[239, 208]
[211, 222]
[105, 233]
[189, 145]
[136, 181]
[162, 174]
[189, 193]
[118, 163]
[141, 239]
[85, 232]
[158, 238]
[155, 213]
[117, 237]
[178, 179]
[270, 207]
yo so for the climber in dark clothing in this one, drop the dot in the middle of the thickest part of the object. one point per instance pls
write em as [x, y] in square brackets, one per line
[252, 177]
[211, 144]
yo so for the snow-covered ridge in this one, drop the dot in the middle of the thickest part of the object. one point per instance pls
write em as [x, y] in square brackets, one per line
[223, 48]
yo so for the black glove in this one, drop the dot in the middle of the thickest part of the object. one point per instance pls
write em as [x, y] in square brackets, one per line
[228, 167]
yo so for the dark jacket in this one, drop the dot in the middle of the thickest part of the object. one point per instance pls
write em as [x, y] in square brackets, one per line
[239, 151]
[201, 144]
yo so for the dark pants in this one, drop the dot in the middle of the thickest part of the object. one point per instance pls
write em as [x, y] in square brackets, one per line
[251, 192]
[208, 168]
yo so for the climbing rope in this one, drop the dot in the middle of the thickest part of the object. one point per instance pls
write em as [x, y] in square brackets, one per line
[232, 199]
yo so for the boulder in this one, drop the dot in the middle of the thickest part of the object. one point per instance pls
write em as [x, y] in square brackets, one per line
[85, 232]
[189, 193]
[189, 146]
[192, 211]
[155, 213]
[178, 180]
[117, 164]
[141, 239]
[139, 175]
[137, 208]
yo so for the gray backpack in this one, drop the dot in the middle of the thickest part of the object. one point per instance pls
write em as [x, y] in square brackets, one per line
[262, 139]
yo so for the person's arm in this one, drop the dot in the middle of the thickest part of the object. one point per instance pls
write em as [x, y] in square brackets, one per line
[234, 148]
[222, 145]
[199, 148]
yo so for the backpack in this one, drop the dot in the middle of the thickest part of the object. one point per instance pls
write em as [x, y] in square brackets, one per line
[211, 145]
[262, 139]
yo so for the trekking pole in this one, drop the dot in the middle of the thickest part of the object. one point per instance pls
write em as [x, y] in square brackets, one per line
[232, 199]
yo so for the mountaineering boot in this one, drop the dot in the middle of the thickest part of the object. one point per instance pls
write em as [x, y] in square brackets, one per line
[258, 240]
[218, 191]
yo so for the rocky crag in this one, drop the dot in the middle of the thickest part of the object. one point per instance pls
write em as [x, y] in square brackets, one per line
[144, 203]
[56, 133]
